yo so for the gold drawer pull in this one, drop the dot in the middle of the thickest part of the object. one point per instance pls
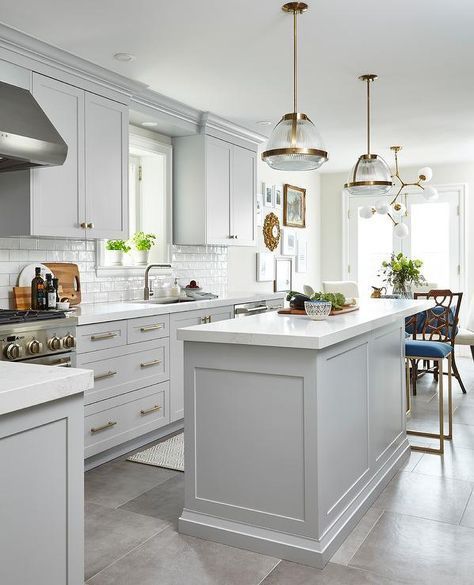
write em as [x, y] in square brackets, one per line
[101, 336]
[150, 364]
[152, 409]
[108, 425]
[151, 327]
[108, 374]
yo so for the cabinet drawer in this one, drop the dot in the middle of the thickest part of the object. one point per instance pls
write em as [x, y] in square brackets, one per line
[117, 420]
[101, 336]
[147, 328]
[121, 370]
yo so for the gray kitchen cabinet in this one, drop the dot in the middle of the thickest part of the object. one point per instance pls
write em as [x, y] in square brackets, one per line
[41, 494]
[214, 192]
[87, 196]
[178, 321]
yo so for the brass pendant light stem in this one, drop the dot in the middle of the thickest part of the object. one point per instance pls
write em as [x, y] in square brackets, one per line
[295, 61]
[368, 116]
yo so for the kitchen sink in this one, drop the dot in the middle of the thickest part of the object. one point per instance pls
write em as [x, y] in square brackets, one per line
[163, 301]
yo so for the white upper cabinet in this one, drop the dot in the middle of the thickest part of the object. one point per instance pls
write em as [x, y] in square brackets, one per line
[87, 196]
[106, 155]
[214, 192]
[58, 195]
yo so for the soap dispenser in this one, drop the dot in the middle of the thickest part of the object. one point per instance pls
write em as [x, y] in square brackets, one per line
[176, 289]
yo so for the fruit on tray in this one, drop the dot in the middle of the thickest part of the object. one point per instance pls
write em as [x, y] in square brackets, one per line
[192, 284]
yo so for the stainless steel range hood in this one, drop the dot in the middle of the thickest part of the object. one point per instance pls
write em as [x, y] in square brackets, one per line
[27, 137]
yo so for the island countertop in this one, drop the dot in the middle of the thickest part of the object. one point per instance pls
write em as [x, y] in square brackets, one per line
[26, 385]
[271, 329]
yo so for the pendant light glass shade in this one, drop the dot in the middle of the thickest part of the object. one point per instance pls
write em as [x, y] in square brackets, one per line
[371, 175]
[295, 144]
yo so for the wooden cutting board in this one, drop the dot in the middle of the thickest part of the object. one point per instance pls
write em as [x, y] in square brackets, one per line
[343, 311]
[69, 280]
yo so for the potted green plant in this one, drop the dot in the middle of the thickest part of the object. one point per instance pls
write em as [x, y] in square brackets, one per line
[142, 244]
[402, 273]
[115, 251]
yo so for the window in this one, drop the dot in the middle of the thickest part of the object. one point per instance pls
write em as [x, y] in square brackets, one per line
[149, 197]
[436, 237]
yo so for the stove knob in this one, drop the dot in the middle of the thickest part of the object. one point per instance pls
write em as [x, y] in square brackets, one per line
[13, 351]
[34, 346]
[69, 341]
[54, 343]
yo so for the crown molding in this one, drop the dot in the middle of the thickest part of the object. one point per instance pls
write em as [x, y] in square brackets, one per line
[170, 107]
[212, 122]
[39, 51]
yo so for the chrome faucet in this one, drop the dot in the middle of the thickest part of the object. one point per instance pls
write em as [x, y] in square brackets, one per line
[146, 290]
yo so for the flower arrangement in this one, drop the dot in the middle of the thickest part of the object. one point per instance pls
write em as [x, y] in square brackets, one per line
[401, 273]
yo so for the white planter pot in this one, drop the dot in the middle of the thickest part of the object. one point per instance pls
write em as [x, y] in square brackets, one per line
[140, 257]
[115, 257]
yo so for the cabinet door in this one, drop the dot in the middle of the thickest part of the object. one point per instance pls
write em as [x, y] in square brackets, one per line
[221, 314]
[243, 193]
[218, 176]
[106, 148]
[58, 204]
[178, 321]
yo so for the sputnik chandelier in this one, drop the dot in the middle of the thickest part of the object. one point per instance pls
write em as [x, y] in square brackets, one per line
[395, 209]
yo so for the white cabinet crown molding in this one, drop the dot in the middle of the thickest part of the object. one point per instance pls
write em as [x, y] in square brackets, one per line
[226, 130]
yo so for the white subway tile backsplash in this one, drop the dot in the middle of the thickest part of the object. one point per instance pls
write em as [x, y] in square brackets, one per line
[206, 264]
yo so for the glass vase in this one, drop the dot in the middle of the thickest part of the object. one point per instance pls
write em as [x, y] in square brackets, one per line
[403, 289]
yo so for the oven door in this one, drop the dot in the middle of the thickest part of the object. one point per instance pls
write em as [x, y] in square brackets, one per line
[62, 360]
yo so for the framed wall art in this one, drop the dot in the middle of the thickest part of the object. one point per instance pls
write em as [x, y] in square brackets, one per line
[268, 195]
[259, 215]
[283, 274]
[288, 242]
[294, 206]
[301, 253]
[278, 196]
[265, 267]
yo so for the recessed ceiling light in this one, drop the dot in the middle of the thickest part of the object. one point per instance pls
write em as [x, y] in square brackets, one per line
[124, 57]
[150, 124]
[264, 123]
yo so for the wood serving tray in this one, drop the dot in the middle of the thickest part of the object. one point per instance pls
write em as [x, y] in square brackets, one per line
[347, 309]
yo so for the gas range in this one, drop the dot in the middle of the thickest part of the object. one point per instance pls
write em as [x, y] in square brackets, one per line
[40, 337]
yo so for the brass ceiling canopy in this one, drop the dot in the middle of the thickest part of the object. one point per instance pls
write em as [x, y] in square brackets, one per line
[295, 144]
[371, 175]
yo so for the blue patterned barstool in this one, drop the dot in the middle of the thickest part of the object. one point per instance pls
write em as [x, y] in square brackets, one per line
[437, 352]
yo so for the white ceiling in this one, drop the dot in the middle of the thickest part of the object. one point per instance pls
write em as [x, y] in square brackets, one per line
[233, 58]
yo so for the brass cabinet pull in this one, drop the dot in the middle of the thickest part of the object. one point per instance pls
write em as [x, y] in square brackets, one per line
[100, 336]
[209, 318]
[108, 374]
[108, 425]
[149, 364]
[152, 409]
[90, 226]
[84, 225]
[151, 327]
[66, 362]
[206, 319]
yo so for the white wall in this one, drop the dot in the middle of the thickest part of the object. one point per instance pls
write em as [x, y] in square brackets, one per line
[331, 212]
[242, 260]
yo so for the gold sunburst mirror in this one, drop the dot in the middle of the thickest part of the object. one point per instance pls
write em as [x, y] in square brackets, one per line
[271, 231]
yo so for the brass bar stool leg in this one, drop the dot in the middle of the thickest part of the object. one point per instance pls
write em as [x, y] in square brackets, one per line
[449, 436]
[407, 386]
[441, 436]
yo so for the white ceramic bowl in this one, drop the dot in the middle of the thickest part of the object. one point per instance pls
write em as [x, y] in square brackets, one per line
[317, 310]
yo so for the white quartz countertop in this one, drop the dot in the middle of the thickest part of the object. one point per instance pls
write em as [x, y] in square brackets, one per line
[25, 385]
[271, 329]
[102, 312]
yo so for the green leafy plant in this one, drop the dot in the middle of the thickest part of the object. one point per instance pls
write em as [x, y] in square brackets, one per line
[143, 242]
[337, 300]
[117, 245]
[401, 271]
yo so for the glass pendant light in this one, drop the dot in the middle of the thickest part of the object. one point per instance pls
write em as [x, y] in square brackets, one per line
[295, 144]
[371, 174]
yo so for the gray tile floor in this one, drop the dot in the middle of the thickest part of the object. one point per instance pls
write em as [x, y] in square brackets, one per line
[419, 531]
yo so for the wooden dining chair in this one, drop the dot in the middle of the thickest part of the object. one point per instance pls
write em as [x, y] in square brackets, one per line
[441, 324]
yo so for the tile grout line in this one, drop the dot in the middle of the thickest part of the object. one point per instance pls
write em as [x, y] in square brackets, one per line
[270, 572]
[465, 508]
[128, 552]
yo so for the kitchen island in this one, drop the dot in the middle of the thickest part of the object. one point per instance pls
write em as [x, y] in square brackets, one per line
[293, 427]
[42, 483]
